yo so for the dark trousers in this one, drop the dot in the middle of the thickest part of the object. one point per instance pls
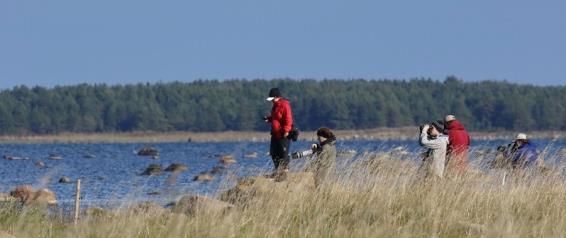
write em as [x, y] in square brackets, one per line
[279, 150]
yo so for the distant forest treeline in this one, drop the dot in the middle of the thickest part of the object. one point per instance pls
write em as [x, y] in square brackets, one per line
[240, 104]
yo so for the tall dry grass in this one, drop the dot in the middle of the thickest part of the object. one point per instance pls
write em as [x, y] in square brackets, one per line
[373, 197]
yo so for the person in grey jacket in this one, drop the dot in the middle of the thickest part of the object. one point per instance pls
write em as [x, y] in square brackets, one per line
[436, 143]
[324, 163]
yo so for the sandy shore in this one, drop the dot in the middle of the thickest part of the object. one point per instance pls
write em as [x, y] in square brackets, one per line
[406, 133]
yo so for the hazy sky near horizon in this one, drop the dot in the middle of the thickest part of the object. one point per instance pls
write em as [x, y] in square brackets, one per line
[69, 42]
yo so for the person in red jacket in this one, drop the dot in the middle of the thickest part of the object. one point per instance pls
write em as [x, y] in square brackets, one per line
[281, 120]
[459, 142]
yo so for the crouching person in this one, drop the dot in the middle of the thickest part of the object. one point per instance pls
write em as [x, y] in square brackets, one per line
[523, 153]
[325, 162]
[436, 143]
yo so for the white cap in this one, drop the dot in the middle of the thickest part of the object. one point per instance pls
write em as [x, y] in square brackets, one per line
[521, 136]
[449, 118]
[270, 99]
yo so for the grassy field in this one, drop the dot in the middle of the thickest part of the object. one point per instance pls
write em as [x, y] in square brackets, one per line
[148, 137]
[377, 196]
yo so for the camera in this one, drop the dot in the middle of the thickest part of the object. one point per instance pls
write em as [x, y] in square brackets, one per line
[305, 153]
[301, 154]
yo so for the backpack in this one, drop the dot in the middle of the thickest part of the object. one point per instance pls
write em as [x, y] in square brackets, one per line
[293, 134]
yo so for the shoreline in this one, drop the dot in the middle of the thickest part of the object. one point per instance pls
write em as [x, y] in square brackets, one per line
[405, 133]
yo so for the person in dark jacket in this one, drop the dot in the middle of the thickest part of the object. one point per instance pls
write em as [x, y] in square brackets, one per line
[324, 163]
[459, 142]
[523, 153]
[281, 120]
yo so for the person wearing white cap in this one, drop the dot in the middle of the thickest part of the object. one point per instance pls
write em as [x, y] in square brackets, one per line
[459, 142]
[523, 152]
[281, 120]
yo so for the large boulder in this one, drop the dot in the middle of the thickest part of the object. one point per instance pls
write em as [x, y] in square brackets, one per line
[96, 212]
[28, 195]
[260, 186]
[4, 197]
[148, 151]
[148, 208]
[193, 204]
[153, 169]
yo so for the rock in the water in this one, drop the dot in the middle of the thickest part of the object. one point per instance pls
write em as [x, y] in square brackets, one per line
[192, 205]
[251, 155]
[176, 168]
[27, 195]
[89, 156]
[346, 153]
[55, 157]
[153, 169]
[204, 177]
[258, 186]
[9, 157]
[148, 151]
[40, 164]
[217, 169]
[65, 179]
[227, 159]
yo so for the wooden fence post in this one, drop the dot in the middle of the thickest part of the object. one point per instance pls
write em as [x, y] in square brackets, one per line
[78, 201]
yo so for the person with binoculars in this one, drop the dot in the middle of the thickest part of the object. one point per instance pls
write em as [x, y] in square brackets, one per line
[432, 138]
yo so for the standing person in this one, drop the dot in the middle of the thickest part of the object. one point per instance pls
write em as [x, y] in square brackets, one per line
[281, 120]
[324, 163]
[459, 142]
[523, 153]
[436, 143]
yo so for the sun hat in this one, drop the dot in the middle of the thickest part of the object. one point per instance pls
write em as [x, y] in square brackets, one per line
[449, 118]
[521, 136]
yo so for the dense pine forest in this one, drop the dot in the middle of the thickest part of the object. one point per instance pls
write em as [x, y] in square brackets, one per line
[240, 104]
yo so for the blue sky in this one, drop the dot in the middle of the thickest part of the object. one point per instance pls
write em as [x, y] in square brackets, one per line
[67, 42]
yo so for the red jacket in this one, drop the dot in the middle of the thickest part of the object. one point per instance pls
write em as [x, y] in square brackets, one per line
[458, 137]
[281, 118]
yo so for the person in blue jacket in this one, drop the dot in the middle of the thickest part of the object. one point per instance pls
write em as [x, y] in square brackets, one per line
[523, 153]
